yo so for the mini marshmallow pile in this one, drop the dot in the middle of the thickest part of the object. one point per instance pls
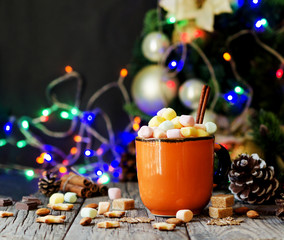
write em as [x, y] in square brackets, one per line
[166, 124]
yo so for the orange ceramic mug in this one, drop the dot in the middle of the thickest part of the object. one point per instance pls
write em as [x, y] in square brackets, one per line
[176, 174]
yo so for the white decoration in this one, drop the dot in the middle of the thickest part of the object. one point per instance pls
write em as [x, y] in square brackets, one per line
[204, 16]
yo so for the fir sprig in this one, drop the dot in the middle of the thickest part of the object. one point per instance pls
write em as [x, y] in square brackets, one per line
[267, 132]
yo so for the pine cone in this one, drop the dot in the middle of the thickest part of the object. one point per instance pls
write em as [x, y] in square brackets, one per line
[251, 180]
[128, 164]
[49, 184]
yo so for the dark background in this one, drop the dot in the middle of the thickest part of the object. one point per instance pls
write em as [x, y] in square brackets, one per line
[39, 38]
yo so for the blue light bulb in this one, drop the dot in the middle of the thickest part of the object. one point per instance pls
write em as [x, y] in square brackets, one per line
[172, 64]
[8, 127]
[88, 153]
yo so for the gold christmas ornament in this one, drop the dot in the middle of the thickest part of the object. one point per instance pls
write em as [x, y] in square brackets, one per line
[248, 146]
[152, 89]
[154, 46]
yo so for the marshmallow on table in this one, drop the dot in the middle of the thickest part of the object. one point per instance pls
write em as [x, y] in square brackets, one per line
[145, 132]
[114, 193]
[173, 133]
[166, 125]
[185, 215]
[159, 133]
[160, 113]
[169, 114]
[89, 212]
[188, 131]
[186, 120]
[176, 122]
[211, 127]
[70, 197]
[201, 133]
[103, 207]
[56, 198]
[156, 121]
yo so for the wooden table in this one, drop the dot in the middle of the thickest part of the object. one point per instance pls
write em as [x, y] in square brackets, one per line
[23, 226]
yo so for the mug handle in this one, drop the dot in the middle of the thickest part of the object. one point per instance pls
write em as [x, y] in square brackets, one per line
[224, 163]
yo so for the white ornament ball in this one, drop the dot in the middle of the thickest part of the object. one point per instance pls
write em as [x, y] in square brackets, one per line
[154, 46]
[189, 93]
[152, 90]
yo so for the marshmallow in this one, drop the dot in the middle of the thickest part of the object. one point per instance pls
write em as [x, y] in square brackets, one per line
[160, 113]
[166, 125]
[202, 133]
[200, 126]
[185, 215]
[103, 207]
[211, 127]
[186, 120]
[169, 114]
[173, 133]
[188, 131]
[176, 122]
[145, 132]
[89, 212]
[159, 133]
[70, 197]
[156, 121]
[56, 198]
[114, 193]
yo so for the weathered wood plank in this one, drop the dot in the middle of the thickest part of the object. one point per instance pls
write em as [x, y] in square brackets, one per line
[265, 227]
[179, 233]
[126, 231]
[23, 225]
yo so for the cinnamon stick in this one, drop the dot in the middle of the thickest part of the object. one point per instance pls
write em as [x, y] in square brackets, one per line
[79, 190]
[94, 187]
[202, 104]
[203, 109]
[203, 91]
[76, 180]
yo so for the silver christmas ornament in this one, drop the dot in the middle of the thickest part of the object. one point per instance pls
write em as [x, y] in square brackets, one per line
[154, 46]
[152, 89]
[189, 93]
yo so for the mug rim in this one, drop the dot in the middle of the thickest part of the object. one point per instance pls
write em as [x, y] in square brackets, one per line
[173, 139]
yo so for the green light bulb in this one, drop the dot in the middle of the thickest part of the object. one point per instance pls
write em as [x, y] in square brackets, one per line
[2, 142]
[82, 170]
[74, 111]
[29, 173]
[25, 124]
[21, 144]
[171, 20]
[45, 112]
[64, 114]
[239, 90]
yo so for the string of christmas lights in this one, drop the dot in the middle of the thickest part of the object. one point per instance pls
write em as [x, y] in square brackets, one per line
[81, 128]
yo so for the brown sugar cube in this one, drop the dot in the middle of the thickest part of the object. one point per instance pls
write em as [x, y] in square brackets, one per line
[222, 200]
[220, 212]
[123, 204]
[103, 207]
